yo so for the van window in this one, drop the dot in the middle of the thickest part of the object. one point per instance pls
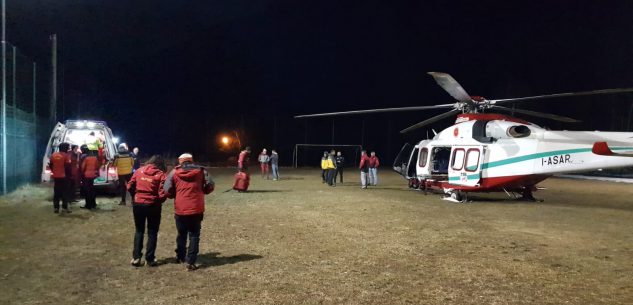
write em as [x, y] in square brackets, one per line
[472, 159]
[424, 153]
[458, 159]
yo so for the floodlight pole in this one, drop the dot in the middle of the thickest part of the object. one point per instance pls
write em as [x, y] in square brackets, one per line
[4, 98]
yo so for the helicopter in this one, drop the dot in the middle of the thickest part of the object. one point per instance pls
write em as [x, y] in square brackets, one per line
[487, 151]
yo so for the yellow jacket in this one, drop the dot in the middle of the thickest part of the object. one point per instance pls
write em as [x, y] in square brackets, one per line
[323, 163]
[123, 163]
[329, 164]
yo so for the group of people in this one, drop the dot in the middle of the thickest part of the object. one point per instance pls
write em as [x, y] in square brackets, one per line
[264, 159]
[368, 169]
[332, 164]
[187, 184]
[74, 170]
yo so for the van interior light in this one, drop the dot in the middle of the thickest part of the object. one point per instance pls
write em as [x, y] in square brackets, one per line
[81, 124]
[91, 124]
[115, 140]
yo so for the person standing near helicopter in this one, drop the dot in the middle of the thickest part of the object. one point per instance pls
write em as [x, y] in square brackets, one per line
[373, 168]
[364, 169]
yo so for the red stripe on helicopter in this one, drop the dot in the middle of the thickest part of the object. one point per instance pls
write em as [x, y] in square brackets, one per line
[464, 117]
[496, 183]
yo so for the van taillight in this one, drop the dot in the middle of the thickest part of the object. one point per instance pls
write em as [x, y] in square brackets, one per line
[112, 171]
[48, 170]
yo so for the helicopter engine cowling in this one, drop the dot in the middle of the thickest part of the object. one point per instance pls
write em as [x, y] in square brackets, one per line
[505, 130]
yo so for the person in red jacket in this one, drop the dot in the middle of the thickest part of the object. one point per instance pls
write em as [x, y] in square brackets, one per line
[147, 184]
[60, 165]
[374, 163]
[89, 170]
[187, 184]
[364, 169]
[243, 160]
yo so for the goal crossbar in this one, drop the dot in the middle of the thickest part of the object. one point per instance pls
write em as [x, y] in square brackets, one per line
[296, 149]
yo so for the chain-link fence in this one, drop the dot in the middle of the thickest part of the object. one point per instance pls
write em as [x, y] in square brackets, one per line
[26, 121]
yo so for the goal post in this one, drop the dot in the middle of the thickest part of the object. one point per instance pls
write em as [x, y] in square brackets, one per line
[315, 152]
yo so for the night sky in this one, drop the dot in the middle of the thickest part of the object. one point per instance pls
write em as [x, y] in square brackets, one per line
[170, 76]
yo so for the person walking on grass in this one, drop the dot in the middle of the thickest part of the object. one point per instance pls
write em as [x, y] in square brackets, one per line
[61, 171]
[374, 163]
[340, 163]
[364, 169]
[324, 167]
[187, 184]
[263, 163]
[147, 184]
[124, 164]
[274, 164]
[243, 160]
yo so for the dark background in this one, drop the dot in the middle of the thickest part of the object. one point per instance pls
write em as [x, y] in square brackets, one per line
[170, 76]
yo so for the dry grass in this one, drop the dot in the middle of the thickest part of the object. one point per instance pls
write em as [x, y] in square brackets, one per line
[297, 241]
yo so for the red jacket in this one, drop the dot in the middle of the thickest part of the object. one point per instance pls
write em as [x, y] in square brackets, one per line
[60, 165]
[242, 160]
[147, 185]
[364, 163]
[90, 167]
[187, 184]
[374, 162]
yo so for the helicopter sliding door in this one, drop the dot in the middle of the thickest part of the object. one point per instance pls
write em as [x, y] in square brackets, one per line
[465, 165]
[402, 161]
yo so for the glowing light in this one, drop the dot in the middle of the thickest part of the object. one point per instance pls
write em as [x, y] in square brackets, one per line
[81, 124]
[91, 124]
[225, 140]
[115, 140]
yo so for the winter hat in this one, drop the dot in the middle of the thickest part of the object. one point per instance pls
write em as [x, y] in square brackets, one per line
[186, 157]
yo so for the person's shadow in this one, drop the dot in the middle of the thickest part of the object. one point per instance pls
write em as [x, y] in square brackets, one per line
[212, 259]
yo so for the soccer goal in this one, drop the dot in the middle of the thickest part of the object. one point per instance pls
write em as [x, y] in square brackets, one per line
[310, 154]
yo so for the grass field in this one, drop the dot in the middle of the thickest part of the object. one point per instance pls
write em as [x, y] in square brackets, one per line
[297, 241]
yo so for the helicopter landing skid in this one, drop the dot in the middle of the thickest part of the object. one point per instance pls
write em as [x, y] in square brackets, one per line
[525, 196]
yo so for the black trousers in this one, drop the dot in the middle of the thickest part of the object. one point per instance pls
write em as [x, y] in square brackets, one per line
[146, 214]
[61, 191]
[339, 172]
[88, 186]
[331, 176]
[188, 226]
[123, 179]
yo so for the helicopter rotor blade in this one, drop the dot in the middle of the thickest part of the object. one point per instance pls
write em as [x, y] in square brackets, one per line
[568, 94]
[431, 120]
[448, 83]
[538, 114]
[382, 110]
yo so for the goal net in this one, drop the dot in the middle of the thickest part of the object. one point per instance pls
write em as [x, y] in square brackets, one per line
[309, 155]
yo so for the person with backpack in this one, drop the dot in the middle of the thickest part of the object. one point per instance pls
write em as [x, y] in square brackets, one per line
[124, 164]
[188, 183]
[147, 184]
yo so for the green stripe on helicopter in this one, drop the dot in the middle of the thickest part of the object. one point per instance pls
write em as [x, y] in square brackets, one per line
[543, 155]
[469, 177]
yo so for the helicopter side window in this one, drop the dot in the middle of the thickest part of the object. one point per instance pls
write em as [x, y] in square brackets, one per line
[424, 154]
[472, 159]
[458, 159]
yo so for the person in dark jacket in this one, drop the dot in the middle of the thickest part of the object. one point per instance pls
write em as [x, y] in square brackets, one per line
[187, 184]
[364, 169]
[60, 165]
[136, 158]
[274, 164]
[147, 184]
[340, 163]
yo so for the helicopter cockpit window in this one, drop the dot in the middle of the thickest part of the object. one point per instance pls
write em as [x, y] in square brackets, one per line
[458, 159]
[424, 154]
[439, 160]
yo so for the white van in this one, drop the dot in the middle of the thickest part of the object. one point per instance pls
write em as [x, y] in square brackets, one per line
[77, 132]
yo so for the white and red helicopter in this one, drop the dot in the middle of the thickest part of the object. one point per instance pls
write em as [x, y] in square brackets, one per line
[491, 152]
